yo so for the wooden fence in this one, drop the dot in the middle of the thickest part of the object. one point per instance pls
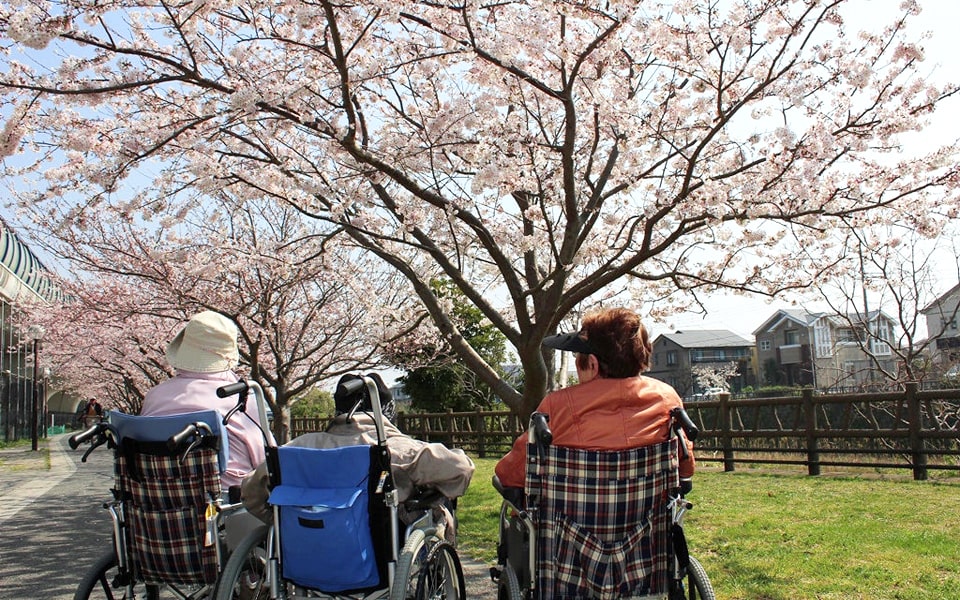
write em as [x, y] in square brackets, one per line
[912, 429]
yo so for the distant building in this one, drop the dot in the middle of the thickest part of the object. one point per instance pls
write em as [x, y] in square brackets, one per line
[941, 317]
[675, 355]
[823, 350]
[23, 278]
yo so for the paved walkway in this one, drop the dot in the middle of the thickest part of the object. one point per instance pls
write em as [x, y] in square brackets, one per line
[26, 474]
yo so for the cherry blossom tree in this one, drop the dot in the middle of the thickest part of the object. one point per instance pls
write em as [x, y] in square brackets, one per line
[306, 313]
[102, 343]
[537, 154]
[715, 376]
[899, 277]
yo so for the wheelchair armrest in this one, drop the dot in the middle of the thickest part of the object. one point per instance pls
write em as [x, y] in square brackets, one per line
[423, 499]
[513, 495]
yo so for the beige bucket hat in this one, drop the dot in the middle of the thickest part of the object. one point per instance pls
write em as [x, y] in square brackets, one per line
[207, 344]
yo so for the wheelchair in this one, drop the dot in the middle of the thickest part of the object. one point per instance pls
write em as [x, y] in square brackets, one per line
[166, 510]
[170, 523]
[598, 524]
[336, 531]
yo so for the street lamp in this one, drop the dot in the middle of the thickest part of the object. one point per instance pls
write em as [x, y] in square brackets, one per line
[35, 333]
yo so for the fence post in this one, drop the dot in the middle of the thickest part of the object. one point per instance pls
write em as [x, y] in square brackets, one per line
[479, 427]
[918, 457]
[813, 449]
[726, 437]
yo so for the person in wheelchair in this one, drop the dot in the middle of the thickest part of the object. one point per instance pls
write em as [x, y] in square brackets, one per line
[415, 464]
[204, 354]
[613, 407]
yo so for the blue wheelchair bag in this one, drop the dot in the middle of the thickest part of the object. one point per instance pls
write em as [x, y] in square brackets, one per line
[324, 518]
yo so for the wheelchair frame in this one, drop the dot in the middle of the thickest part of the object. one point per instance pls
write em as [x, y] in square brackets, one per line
[425, 567]
[114, 571]
[515, 573]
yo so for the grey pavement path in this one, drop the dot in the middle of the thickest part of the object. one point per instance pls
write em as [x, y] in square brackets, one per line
[52, 526]
[26, 475]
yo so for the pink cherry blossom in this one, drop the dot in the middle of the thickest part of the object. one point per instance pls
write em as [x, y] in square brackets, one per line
[540, 155]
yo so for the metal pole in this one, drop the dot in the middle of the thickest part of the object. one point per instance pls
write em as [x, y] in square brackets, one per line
[34, 409]
[43, 405]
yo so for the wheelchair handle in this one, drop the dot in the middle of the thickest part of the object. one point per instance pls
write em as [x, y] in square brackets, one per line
[232, 389]
[682, 420]
[199, 430]
[240, 388]
[540, 430]
[78, 438]
[348, 388]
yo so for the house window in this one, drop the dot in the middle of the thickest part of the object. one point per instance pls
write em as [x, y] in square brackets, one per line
[791, 337]
[672, 357]
[952, 324]
[881, 344]
[847, 334]
[709, 355]
[764, 345]
[822, 339]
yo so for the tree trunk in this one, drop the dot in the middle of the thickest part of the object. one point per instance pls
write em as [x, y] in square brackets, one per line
[281, 424]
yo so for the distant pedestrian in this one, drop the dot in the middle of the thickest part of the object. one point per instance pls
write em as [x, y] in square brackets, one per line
[91, 413]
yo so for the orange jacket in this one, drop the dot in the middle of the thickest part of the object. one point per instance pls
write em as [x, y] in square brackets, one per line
[602, 414]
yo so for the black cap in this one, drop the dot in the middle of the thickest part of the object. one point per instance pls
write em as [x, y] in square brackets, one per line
[571, 342]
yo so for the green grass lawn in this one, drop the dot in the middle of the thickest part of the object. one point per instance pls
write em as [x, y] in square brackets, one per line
[780, 537]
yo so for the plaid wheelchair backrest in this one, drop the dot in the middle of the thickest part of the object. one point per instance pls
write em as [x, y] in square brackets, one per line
[167, 496]
[159, 429]
[602, 520]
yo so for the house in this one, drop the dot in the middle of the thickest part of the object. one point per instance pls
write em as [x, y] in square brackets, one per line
[676, 355]
[941, 317]
[824, 350]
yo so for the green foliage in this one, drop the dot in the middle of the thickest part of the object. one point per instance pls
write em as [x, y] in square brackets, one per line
[446, 384]
[478, 513]
[771, 372]
[793, 537]
[776, 391]
[15, 443]
[315, 403]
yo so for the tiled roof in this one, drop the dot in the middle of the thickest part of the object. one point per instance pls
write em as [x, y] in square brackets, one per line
[707, 338]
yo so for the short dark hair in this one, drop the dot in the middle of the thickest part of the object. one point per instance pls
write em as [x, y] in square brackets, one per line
[621, 341]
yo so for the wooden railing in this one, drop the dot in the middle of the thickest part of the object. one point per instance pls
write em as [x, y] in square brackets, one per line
[912, 429]
[480, 433]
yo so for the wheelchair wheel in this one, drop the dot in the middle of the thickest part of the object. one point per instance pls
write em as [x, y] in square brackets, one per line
[441, 577]
[98, 582]
[245, 574]
[508, 586]
[409, 564]
[698, 584]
